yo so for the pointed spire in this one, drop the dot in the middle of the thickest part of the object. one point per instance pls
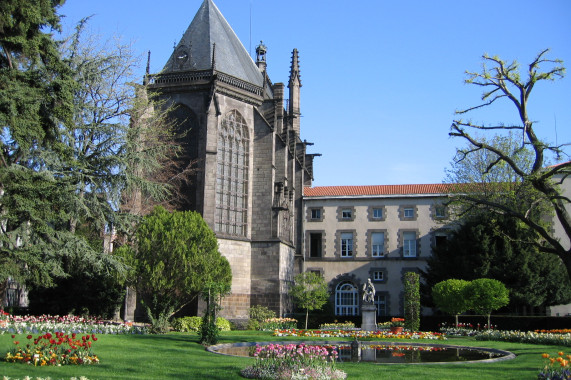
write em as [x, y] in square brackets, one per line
[294, 73]
[148, 69]
[294, 93]
[209, 27]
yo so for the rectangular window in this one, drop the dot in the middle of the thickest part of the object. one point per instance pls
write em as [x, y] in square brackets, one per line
[315, 245]
[381, 304]
[409, 213]
[315, 213]
[346, 213]
[377, 244]
[346, 244]
[378, 275]
[440, 212]
[409, 244]
[377, 213]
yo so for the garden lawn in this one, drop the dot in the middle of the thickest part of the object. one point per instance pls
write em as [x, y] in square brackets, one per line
[180, 356]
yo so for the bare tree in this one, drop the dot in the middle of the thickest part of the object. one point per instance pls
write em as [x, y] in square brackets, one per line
[538, 185]
[158, 164]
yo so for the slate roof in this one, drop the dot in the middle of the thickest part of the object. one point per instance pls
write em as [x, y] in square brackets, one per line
[379, 190]
[210, 27]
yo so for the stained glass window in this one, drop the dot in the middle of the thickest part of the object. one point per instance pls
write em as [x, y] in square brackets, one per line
[232, 175]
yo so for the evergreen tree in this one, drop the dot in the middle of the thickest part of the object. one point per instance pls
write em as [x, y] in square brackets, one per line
[412, 301]
[175, 259]
[36, 100]
[76, 138]
[494, 246]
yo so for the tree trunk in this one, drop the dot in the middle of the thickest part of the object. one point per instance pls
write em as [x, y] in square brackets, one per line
[306, 317]
[3, 287]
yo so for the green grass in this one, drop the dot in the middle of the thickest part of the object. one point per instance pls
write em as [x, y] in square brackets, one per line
[179, 356]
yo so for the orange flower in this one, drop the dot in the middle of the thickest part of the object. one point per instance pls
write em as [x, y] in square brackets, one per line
[560, 353]
[544, 356]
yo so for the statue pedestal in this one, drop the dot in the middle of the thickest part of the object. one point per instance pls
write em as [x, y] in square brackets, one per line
[369, 314]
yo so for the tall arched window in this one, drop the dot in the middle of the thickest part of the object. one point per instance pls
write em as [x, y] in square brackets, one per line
[232, 175]
[346, 299]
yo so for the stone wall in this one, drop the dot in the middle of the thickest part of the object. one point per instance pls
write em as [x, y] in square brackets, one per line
[238, 253]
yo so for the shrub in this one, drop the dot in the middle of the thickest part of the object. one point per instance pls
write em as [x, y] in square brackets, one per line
[223, 324]
[159, 324]
[253, 324]
[187, 324]
[194, 324]
[260, 313]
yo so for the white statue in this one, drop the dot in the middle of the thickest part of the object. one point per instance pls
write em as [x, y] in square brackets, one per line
[368, 292]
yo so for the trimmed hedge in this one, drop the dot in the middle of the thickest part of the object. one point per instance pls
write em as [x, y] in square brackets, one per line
[192, 324]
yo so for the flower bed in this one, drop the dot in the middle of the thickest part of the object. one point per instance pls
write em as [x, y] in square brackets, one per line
[337, 326]
[463, 329]
[359, 334]
[58, 349]
[271, 324]
[555, 367]
[293, 361]
[526, 337]
[66, 324]
[555, 331]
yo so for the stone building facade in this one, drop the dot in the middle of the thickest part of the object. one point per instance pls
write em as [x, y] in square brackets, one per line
[353, 233]
[251, 163]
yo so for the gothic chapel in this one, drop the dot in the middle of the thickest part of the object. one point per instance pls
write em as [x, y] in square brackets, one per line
[252, 164]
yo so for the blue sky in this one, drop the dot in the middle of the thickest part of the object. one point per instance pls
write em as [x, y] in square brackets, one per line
[381, 79]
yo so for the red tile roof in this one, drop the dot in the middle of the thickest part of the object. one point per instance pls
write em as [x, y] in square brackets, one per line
[325, 191]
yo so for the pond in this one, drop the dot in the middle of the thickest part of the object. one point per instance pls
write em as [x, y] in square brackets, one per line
[385, 352]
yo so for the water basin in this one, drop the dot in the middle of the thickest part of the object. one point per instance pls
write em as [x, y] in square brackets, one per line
[385, 352]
